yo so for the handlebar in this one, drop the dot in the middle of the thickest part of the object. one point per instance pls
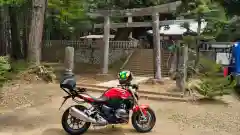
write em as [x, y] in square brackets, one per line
[134, 86]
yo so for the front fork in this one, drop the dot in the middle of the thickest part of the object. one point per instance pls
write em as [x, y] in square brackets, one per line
[139, 108]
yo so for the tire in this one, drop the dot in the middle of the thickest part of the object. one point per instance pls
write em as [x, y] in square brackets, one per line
[135, 117]
[70, 130]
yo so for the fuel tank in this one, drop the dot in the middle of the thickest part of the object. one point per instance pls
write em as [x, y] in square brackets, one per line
[117, 97]
[117, 93]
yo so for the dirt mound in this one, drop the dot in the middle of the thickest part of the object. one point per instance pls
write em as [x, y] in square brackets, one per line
[23, 88]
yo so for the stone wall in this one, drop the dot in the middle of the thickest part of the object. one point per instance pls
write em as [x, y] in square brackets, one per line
[85, 52]
[93, 56]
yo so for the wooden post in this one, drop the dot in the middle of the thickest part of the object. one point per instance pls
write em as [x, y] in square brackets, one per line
[185, 66]
[69, 58]
[178, 67]
[157, 46]
[130, 19]
[106, 44]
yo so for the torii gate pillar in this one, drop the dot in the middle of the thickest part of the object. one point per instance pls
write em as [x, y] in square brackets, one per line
[106, 45]
[156, 46]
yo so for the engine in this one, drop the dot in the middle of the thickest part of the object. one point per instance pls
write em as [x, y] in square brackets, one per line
[115, 115]
[122, 112]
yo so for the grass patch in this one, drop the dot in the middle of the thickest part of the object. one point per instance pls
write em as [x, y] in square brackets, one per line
[9, 69]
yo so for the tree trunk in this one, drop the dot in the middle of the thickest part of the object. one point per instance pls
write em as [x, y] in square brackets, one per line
[179, 62]
[182, 69]
[27, 21]
[3, 42]
[16, 48]
[36, 31]
[173, 65]
[198, 40]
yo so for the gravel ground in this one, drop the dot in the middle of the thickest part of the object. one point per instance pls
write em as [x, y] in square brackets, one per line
[173, 118]
[221, 117]
[26, 93]
[208, 119]
[20, 95]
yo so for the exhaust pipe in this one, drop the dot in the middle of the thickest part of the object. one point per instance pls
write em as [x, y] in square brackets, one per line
[81, 115]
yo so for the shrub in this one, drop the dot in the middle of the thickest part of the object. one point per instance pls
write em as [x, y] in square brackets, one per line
[5, 67]
[208, 67]
[212, 87]
[209, 84]
[46, 73]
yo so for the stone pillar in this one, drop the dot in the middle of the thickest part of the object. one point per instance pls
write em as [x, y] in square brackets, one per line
[106, 44]
[130, 20]
[69, 59]
[157, 46]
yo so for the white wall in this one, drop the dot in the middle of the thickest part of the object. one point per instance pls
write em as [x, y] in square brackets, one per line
[223, 58]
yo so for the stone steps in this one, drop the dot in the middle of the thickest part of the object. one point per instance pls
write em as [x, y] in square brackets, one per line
[141, 62]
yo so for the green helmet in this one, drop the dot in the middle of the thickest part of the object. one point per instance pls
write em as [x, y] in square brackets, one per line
[125, 77]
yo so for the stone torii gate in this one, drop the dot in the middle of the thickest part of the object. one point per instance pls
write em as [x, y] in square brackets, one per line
[155, 24]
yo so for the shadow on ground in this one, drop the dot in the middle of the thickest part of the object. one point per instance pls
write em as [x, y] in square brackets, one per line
[22, 123]
[115, 131]
[236, 94]
[206, 101]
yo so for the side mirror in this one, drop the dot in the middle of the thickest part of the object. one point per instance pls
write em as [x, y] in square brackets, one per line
[135, 86]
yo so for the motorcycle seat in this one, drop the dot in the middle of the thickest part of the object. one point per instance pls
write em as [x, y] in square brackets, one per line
[101, 99]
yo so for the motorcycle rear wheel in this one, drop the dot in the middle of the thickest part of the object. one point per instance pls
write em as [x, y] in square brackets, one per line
[68, 128]
[136, 121]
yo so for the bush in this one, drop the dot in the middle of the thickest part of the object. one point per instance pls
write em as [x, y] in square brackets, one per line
[208, 67]
[46, 73]
[209, 84]
[5, 67]
[212, 87]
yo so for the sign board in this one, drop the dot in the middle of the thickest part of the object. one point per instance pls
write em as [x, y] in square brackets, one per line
[220, 47]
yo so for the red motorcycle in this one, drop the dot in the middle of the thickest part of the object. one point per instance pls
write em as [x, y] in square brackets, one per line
[113, 107]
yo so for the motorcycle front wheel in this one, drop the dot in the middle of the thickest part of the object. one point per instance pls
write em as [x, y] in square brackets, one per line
[144, 125]
[72, 125]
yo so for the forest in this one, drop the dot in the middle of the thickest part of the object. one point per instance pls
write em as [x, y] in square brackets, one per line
[25, 25]
[67, 19]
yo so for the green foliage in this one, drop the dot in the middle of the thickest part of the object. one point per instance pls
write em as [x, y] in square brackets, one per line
[210, 11]
[208, 67]
[69, 15]
[4, 68]
[231, 6]
[234, 28]
[11, 2]
[214, 86]
[122, 4]
[8, 69]
[209, 84]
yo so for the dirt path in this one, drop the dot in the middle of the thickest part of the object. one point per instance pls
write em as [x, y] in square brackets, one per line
[222, 118]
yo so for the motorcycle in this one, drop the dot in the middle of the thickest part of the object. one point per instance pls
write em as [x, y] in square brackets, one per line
[113, 107]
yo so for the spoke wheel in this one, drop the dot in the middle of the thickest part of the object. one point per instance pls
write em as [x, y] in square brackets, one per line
[73, 125]
[144, 124]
